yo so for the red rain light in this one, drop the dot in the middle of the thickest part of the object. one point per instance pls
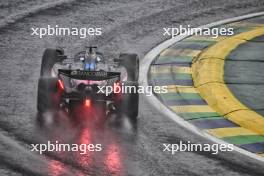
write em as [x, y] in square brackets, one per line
[87, 103]
[61, 86]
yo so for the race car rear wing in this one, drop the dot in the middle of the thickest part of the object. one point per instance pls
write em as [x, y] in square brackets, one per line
[89, 75]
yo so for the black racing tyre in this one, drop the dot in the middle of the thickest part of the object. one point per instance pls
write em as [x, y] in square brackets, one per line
[129, 104]
[49, 58]
[48, 96]
[131, 63]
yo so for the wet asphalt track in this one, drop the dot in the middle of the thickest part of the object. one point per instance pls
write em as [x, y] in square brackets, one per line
[127, 27]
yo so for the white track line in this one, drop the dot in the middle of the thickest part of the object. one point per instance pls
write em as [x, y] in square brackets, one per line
[143, 79]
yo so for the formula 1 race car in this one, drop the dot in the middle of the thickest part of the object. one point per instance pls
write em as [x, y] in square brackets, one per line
[85, 81]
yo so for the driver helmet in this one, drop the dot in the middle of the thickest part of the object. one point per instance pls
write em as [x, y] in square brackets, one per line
[90, 60]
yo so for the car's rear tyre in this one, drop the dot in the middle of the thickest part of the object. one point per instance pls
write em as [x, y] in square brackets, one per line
[129, 104]
[48, 95]
[131, 63]
[49, 58]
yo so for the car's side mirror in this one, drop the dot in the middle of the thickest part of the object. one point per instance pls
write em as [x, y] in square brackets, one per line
[82, 59]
